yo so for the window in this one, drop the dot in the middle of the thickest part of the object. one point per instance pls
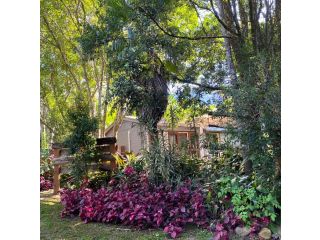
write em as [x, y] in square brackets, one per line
[214, 137]
[172, 139]
[182, 138]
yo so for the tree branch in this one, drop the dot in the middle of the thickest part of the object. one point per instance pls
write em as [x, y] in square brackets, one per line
[64, 58]
[195, 8]
[174, 35]
[208, 87]
[220, 21]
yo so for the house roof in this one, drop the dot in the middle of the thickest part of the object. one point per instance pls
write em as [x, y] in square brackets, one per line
[203, 121]
[131, 119]
[206, 121]
[126, 118]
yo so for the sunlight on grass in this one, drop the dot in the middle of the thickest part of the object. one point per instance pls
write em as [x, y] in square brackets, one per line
[49, 202]
[77, 224]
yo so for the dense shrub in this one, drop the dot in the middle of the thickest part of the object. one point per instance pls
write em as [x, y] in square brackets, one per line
[66, 181]
[70, 199]
[248, 200]
[134, 201]
[98, 179]
[46, 166]
[81, 140]
[170, 164]
[224, 228]
[45, 184]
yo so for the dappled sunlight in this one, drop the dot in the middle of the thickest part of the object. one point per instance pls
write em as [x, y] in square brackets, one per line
[49, 196]
[49, 202]
[77, 224]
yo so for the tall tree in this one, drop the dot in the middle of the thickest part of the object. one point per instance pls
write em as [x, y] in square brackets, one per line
[65, 70]
[144, 59]
[226, 46]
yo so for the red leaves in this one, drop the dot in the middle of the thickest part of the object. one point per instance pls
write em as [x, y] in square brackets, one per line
[136, 202]
[45, 184]
[258, 224]
[174, 231]
[70, 200]
[129, 170]
[231, 221]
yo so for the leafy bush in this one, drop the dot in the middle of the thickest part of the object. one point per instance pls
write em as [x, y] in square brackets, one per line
[225, 228]
[134, 201]
[46, 166]
[217, 166]
[66, 181]
[81, 140]
[229, 223]
[169, 164]
[98, 179]
[130, 159]
[247, 200]
[70, 199]
[95, 180]
[187, 165]
[45, 184]
[160, 161]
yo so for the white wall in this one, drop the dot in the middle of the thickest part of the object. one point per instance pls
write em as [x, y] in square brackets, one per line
[129, 135]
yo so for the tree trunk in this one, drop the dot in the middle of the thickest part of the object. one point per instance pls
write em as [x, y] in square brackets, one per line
[227, 45]
[99, 115]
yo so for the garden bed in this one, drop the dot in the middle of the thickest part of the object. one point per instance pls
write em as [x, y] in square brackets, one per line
[55, 227]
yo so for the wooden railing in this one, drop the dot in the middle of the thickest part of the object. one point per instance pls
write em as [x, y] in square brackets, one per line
[105, 149]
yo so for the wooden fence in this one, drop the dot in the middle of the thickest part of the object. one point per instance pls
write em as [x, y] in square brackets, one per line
[105, 149]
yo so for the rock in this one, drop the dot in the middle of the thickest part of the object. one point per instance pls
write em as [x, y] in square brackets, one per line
[265, 233]
[242, 231]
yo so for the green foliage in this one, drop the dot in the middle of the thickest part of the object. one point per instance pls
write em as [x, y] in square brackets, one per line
[170, 164]
[188, 165]
[81, 140]
[98, 179]
[246, 199]
[160, 163]
[66, 181]
[130, 159]
[144, 59]
[66, 69]
[174, 112]
[224, 159]
[44, 143]
[140, 47]
[46, 166]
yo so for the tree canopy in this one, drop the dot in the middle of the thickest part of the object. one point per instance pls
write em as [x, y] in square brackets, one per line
[123, 55]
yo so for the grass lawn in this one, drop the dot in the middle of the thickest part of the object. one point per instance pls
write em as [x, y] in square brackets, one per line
[52, 226]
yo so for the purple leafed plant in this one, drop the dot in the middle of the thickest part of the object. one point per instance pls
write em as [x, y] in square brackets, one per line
[230, 221]
[129, 170]
[135, 202]
[45, 184]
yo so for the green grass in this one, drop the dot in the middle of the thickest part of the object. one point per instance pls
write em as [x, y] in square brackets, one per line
[52, 226]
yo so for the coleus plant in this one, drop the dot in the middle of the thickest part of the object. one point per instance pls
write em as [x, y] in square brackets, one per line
[135, 202]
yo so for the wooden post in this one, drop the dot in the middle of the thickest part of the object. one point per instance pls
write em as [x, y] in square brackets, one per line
[56, 170]
[129, 141]
[56, 179]
[113, 151]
